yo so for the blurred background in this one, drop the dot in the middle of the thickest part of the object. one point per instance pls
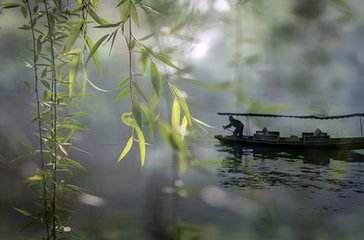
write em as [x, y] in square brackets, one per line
[264, 56]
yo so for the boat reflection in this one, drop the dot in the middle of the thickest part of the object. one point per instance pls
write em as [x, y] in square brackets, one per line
[257, 168]
[316, 157]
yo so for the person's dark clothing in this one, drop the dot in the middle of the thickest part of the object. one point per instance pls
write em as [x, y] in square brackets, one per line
[239, 126]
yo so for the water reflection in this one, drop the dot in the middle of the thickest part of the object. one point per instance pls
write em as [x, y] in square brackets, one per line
[313, 171]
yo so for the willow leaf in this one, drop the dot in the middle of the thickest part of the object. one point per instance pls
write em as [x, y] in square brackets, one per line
[73, 75]
[124, 12]
[127, 148]
[134, 14]
[72, 37]
[141, 141]
[176, 114]
[9, 4]
[155, 76]
[183, 127]
[84, 81]
[183, 103]
[137, 114]
[147, 37]
[127, 120]
[123, 94]
[95, 4]
[96, 87]
[166, 60]
[109, 25]
[122, 82]
[144, 58]
[75, 164]
[24, 212]
[97, 18]
[93, 52]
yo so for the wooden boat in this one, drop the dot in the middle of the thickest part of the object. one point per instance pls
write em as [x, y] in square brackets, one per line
[307, 141]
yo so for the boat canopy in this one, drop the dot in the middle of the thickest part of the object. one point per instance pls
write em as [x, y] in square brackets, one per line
[293, 116]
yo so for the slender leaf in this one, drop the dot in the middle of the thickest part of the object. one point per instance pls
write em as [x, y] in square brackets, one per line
[24, 212]
[127, 148]
[134, 14]
[97, 18]
[136, 112]
[156, 79]
[73, 75]
[182, 102]
[84, 81]
[122, 82]
[123, 94]
[72, 37]
[96, 87]
[9, 4]
[127, 120]
[142, 144]
[24, 11]
[110, 25]
[147, 37]
[176, 114]
[144, 59]
[124, 12]
[93, 52]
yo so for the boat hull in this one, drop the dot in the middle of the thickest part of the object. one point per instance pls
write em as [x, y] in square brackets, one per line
[333, 144]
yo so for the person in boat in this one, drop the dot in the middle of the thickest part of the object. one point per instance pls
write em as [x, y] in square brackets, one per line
[239, 126]
[318, 132]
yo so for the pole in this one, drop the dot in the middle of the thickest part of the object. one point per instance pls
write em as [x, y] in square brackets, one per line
[361, 127]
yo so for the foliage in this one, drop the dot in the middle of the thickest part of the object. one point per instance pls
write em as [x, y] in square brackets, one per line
[62, 48]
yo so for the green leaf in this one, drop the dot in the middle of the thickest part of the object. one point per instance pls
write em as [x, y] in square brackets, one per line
[127, 148]
[201, 124]
[73, 75]
[95, 47]
[110, 25]
[147, 37]
[72, 37]
[122, 82]
[93, 52]
[39, 44]
[24, 11]
[166, 60]
[113, 40]
[96, 87]
[27, 85]
[84, 81]
[144, 59]
[24, 212]
[176, 114]
[9, 4]
[183, 127]
[156, 79]
[141, 141]
[123, 94]
[182, 102]
[134, 14]
[139, 91]
[124, 12]
[136, 112]
[75, 164]
[127, 120]
[97, 18]
[95, 4]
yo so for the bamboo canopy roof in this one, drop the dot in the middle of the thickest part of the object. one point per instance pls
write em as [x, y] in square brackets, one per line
[293, 116]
